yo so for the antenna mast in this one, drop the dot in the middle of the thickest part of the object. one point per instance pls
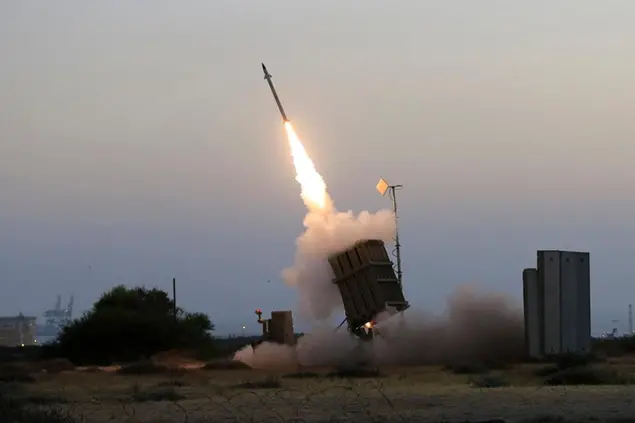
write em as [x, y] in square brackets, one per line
[383, 186]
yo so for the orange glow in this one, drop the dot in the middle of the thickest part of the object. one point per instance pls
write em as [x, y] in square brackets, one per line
[312, 185]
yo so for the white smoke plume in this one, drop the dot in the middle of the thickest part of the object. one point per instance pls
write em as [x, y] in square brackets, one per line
[476, 327]
[326, 234]
[321, 348]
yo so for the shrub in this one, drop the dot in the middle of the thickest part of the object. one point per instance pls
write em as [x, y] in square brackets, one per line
[565, 362]
[587, 376]
[129, 324]
[466, 368]
[15, 372]
[614, 347]
[488, 381]
[568, 361]
[547, 371]
[15, 410]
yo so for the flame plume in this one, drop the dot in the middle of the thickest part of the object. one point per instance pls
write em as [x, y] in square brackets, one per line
[311, 182]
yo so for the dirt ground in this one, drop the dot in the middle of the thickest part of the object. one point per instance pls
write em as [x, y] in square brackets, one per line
[398, 394]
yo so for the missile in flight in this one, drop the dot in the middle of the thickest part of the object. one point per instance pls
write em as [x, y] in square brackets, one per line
[275, 95]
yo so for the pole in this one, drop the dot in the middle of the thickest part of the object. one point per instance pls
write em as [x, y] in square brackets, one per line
[174, 298]
[393, 194]
[630, 319]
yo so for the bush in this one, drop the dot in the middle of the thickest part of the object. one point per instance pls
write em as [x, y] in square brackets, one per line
[15, 410]
[15, 372]
[587, 376]
[568, 361]
[466, 368]
[565, 362]
[614, 347]
[488, 381]
[547, 371]
[131, 324]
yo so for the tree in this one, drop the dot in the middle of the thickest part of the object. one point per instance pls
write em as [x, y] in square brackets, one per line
[128, 324]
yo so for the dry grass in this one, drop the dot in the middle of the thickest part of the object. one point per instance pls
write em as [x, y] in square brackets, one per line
[400, 394]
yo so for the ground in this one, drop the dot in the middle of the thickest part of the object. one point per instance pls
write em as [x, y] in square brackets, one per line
[400, 394]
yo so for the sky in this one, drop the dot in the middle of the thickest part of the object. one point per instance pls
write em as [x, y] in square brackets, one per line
[139, 142]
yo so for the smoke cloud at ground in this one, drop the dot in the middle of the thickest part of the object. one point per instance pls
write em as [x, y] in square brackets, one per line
[476, 327]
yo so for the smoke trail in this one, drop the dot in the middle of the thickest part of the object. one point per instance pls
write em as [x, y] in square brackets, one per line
[326, 234]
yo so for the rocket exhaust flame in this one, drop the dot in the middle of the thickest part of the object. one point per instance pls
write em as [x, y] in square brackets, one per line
[311, 182]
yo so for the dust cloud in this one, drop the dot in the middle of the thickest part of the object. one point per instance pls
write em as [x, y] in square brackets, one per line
[476, 327]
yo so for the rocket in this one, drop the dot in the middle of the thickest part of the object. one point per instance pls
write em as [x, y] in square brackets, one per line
[275, 95]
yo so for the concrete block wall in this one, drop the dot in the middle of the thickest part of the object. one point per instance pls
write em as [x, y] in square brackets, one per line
[532, 307]
[557, 304]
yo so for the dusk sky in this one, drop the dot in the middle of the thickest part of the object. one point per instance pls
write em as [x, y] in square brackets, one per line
[139, 142]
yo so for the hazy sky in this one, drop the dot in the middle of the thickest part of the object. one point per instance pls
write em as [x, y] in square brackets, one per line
[139, 141]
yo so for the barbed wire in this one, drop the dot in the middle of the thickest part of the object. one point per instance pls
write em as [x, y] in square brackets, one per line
[341, 403]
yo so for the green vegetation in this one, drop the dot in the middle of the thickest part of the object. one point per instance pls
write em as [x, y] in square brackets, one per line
[129, 324]
[614, 347]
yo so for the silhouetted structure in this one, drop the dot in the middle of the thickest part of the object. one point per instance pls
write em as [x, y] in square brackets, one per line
[56, 318]
[17, 331]
[557, 304]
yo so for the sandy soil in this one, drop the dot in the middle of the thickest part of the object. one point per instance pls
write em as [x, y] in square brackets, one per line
[403, 394]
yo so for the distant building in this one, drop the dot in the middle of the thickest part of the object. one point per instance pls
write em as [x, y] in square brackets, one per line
[557, 304]
[17, 331]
